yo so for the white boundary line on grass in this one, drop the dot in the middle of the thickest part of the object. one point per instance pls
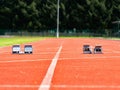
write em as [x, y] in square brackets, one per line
[48, 77]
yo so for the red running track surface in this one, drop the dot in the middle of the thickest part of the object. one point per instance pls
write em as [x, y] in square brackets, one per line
[74, 70]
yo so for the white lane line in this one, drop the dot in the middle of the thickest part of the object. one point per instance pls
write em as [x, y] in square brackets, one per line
[37, 60]
[45, 59]
[60, 86]
[48, 77]
[86, 86]
[18, 86]
[22, 61]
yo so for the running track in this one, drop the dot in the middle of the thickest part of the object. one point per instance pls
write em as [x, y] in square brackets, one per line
[59, 64]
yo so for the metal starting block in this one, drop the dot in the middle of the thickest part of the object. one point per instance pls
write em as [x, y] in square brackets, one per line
[16, 49]
[28, 49]
[98, 49]
[87, 49]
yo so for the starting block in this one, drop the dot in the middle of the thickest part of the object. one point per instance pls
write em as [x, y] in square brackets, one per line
[16, 49]
[87, 49]
[28, 49]
[98, 49]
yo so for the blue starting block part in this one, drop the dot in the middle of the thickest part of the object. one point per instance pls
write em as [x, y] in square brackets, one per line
[28, 49]
[16, 49]
[98, 50]
[87, 49]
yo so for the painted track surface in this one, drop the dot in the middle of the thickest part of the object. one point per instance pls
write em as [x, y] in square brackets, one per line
[74, 70]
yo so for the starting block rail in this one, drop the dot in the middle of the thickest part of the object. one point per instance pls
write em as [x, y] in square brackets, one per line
[16, 49]
[96, 50]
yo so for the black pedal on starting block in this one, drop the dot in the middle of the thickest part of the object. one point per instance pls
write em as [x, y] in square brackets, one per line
[28, 49]
[87, 49]
[16, 49]
[98, 50]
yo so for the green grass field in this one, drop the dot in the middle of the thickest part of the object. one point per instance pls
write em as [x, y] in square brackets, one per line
[7, 41]
[18, 40]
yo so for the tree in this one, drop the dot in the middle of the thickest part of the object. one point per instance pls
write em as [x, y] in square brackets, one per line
[37, 15]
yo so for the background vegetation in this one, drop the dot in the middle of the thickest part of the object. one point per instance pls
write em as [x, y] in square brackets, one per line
[40, 15]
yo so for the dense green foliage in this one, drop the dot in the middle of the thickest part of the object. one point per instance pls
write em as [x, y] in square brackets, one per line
[36, 15]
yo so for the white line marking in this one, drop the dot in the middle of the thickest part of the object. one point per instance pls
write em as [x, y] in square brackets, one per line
[48, 77]
[86, 86]
[22, 61]
[18, 86]
[37, 60]
[60, 86]
[94, 58]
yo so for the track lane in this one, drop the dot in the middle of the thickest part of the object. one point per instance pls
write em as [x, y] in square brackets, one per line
[87, 72]
[26, 72]
[74, 70]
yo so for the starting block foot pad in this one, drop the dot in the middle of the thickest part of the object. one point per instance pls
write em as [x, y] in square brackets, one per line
[98, 50]
[16, 49]
[28, 49]
[87, 49]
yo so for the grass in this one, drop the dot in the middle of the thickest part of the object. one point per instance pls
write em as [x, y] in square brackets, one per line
[18, 40]
[7, 41]
[115, 38]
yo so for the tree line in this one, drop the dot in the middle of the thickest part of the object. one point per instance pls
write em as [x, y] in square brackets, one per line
[37, 15]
